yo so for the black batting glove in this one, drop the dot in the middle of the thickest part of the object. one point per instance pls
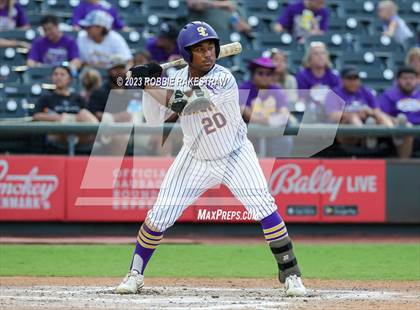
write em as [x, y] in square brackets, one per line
[148, 70]
[178, 102]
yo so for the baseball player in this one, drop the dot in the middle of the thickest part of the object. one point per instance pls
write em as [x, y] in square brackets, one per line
[216, 151]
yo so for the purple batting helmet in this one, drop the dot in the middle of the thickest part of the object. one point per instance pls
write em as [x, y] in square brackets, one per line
[193, 33]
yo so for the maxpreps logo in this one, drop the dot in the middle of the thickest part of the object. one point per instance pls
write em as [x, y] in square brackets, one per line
[25, 191]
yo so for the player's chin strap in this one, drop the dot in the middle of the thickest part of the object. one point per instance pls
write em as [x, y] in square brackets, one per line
[286, 260]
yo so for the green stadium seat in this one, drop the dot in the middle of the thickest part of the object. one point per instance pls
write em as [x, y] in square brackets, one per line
[282, 41]
[10, 56]
[60, 8]
[38, 74]
[22, 35]
[166, 9]
[360, 60]
[377, 43]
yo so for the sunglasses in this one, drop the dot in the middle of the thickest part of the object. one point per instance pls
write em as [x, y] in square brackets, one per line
[264, 73]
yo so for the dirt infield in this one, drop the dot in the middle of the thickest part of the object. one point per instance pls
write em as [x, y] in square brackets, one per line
[193, 293]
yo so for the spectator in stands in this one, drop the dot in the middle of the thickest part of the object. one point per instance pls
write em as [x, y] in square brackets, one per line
[217, 13]
[12, 16]
[141, 57]
[55, 47]
[91, 80]
[99, 44]
[265, 103]
[317, 71]
[359, 102]
[304, 18]
[281, 75]
[413, 60]
[98, 100]
[402, 102]
[394, 26]
[113, 104]
[63, 105]
[163, 47]
[87, 6]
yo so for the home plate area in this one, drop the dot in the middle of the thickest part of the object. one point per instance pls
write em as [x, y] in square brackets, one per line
[174, 297]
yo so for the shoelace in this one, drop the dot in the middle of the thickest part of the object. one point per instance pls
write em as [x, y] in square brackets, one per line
[295, 280]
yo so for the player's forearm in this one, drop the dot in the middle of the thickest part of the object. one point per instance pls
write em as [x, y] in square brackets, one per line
[161, 95]
[47, 117]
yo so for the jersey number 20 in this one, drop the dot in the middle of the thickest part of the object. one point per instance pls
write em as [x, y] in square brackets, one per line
[210, 124]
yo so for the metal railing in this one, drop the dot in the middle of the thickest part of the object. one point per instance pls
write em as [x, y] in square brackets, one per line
[8, 129]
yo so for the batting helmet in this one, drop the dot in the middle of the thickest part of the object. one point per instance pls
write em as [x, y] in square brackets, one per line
[193, 33]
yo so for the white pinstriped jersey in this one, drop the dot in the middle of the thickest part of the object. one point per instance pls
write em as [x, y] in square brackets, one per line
[217, 132]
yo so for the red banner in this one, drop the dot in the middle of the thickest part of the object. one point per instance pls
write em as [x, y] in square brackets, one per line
[32, 188]
[354, 190]
[128, 188]
[115, 189]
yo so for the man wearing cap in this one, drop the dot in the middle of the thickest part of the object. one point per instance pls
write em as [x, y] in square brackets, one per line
[358, 104]
[265, 103]
[87, 6]
[163, 47]
[98, 44]
[357, 107]
[402, 102]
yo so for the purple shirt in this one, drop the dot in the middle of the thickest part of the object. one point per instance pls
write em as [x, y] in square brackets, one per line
[297, 19]
[262, 101]
[157, 53]
[393, 102]
[19, 18]
[307, 80]
[353, 102]
[47, 52]
[84, 8]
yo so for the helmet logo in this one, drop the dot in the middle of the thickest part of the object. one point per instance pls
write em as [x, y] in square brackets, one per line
[202, 31]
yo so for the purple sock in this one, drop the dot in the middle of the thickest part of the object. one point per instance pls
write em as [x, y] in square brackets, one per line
[273, 227]
[147, 242]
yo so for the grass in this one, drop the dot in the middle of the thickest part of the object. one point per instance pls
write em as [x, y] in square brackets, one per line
[325, 261]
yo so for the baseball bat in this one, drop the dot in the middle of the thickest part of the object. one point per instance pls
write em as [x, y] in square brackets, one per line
[225, 51]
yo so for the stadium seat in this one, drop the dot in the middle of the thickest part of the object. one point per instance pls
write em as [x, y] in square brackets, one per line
[35, 19]
[7, 75]
[270, 9]
[38, 74]
[11, 57]
[282, 41]
[168, 9]
[60, 8]
[31, 6]
[22, 35]
[125, 7]
[133, 38]
[295, 59]
[359, 60]
[18, 100]
[377, 43]
[358, 8]
[377, 78]
[335, 42]
[137, 22]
